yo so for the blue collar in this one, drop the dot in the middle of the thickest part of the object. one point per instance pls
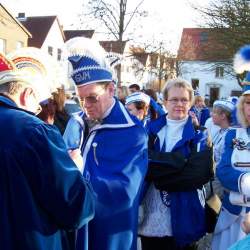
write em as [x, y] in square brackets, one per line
[248, 131]
[117, 118]
[7, 102]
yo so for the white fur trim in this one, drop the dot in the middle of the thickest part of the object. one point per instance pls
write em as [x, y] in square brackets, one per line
[245, 184]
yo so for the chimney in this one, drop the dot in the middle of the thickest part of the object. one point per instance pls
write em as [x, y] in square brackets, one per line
[21, 16]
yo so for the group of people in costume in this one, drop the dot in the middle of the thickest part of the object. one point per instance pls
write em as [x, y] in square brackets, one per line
[116, 170]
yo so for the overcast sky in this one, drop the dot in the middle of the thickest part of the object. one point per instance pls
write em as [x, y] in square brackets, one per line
[165, 20]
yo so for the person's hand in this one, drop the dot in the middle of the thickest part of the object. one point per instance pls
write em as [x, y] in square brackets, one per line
[194, 118]
[77, 158]
[246, 223]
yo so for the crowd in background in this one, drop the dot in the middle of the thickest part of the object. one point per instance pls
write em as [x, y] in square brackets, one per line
[120, 164]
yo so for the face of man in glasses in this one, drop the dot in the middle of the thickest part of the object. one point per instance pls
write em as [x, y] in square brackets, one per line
[96, 99]
[178, 103]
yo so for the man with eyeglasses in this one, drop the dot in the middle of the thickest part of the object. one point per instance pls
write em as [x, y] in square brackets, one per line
[109, 146]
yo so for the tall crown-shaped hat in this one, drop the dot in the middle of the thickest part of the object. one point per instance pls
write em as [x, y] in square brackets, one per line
[8, 71]
[39, 68]
[137, 97]
[88, 62]
[242, 64]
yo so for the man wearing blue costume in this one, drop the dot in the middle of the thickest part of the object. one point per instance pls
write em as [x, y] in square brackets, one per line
[114, 151]
[233, 170]
[42, 193]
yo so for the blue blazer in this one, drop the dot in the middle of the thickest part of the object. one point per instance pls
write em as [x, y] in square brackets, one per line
[115, 159]
[229, 176]
[204, 115]
[42, 193]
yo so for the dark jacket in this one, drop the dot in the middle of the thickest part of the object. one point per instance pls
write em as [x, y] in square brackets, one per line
[186, 206]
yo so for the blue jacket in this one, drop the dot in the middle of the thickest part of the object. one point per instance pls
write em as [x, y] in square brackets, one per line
[187, 210]
[229, 176]
[202, 116]
[42, 193]
[115, 160]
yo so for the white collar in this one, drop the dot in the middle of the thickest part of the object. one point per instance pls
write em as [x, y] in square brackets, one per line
[108, 111]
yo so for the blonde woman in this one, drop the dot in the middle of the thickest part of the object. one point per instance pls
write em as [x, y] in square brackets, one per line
[174, 218]
[233, 171]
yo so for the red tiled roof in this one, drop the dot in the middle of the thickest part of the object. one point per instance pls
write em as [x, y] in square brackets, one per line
[113, 46]
[140, 54]
[153, 58]
[200, 44]
[74, 33]
[39, 27]
[141, 57]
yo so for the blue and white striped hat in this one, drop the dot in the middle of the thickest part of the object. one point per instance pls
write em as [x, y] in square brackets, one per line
[137, 97]
[88, 62]
[227, 105]
[242, 64]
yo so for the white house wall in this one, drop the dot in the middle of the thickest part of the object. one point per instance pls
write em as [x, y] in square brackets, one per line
[202, 70]
[55, 40]
[128, 74]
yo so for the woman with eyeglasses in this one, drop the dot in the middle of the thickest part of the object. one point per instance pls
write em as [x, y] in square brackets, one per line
[174, 215]
[233, 171]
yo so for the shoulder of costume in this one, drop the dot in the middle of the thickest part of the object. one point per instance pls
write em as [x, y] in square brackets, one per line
[202, 136]
[78, 114]
[230, 135]
[78, 117]
[154, 126]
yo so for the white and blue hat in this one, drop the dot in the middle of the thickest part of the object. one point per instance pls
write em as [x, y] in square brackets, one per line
[227, 105]
[242, 64]
[137, 97]
[233, 99]
[88, 62]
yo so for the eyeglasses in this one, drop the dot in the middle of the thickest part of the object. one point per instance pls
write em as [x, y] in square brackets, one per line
[94, 98]
[175, 101]
[247, 102]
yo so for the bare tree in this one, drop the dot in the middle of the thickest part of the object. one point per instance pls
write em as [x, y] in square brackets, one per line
[229, 21]
[115, 15]
[161, 63]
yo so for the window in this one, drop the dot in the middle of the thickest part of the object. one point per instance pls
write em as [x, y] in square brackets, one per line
[203, 37]
[219, 72]
[19, 44]
[195, 83]
[2, 45]
[50, 50]
[236, 93]
[59, 54]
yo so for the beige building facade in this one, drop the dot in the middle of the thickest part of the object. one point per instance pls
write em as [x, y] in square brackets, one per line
[13, 34]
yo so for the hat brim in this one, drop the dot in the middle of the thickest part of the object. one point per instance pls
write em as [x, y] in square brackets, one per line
[247, 92]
